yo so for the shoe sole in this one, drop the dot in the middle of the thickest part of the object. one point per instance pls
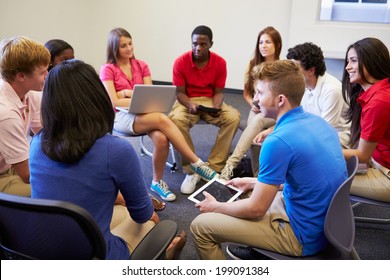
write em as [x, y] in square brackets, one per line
[216, 176]
[231, 254]
[163, 198]
[187, 192]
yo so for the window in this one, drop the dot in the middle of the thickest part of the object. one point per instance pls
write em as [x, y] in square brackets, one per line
[377, 11]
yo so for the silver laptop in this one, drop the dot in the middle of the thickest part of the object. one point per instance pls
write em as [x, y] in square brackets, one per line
[151, 98]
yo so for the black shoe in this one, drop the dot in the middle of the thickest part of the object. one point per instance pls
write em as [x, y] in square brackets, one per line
[237, 252]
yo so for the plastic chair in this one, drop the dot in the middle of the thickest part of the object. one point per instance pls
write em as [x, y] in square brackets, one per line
[57, 230]
[339, 225]
[362, 200]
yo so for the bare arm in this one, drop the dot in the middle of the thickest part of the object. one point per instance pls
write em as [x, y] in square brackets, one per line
[185, 100]
[147, 80]
[218, 98]
[364, 151]
[217, 102]
[244, 183]
[248, 97]
[122, 98]
[22, 170]
[259, 138]
[115, 100]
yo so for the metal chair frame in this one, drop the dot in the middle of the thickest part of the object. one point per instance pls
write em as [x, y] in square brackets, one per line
[363, 200]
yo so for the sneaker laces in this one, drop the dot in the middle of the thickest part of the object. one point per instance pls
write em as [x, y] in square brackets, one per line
[163, 187]
[206, 170]
[227, 171]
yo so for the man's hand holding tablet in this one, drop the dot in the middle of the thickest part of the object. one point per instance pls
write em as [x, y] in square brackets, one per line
[217, 189]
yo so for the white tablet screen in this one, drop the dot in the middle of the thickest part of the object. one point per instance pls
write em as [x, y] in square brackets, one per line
[217, 188]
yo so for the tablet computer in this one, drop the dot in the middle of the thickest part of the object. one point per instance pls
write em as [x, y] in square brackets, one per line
[218, 189]
[207, 109]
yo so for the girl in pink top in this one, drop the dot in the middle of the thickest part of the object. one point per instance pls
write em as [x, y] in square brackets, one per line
[119, 75]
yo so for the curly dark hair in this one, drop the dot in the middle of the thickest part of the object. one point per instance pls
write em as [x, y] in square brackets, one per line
[309, 55]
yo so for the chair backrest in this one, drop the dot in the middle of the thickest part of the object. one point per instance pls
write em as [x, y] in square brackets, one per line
[339, 222]
[47, 229]
[153, 246]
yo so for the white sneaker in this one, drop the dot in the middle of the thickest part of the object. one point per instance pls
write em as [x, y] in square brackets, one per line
[189, 184]
[227, 172]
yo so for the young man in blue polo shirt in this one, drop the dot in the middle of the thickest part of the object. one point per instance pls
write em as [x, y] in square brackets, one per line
[286, 208]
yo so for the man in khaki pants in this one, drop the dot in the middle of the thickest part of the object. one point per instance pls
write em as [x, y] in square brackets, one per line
[200, 77]
[23, 69]
[286, 208]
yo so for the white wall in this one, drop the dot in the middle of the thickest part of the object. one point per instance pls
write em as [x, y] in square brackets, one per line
[161, 29]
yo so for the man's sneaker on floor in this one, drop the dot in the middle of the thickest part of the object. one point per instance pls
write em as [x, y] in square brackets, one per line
[189, 184]
[227, 172]
[204, 171]
[239, 252]
[161, 188]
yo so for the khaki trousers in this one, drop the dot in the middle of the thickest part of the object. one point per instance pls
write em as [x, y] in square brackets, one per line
[272, 232]
[256, 123]
[11, 183]
[374, 184]
[228, 123]
[123, 226]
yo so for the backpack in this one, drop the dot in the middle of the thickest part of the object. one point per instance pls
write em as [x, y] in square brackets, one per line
[243, 169]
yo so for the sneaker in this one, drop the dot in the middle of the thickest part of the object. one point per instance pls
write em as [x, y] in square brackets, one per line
[189, 184]
[237, 252]
[204, 171]
[161, 188]
[227, 172]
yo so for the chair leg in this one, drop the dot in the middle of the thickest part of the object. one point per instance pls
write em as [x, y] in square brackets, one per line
[355, 255]
[173, 166]
[144, 151]
[369, 219]
[372, 220]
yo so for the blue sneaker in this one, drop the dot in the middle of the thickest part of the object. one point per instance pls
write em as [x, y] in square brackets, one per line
[161, 188]
[204, 171]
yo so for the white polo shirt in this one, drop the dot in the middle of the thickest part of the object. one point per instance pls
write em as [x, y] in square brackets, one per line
[326, 101]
